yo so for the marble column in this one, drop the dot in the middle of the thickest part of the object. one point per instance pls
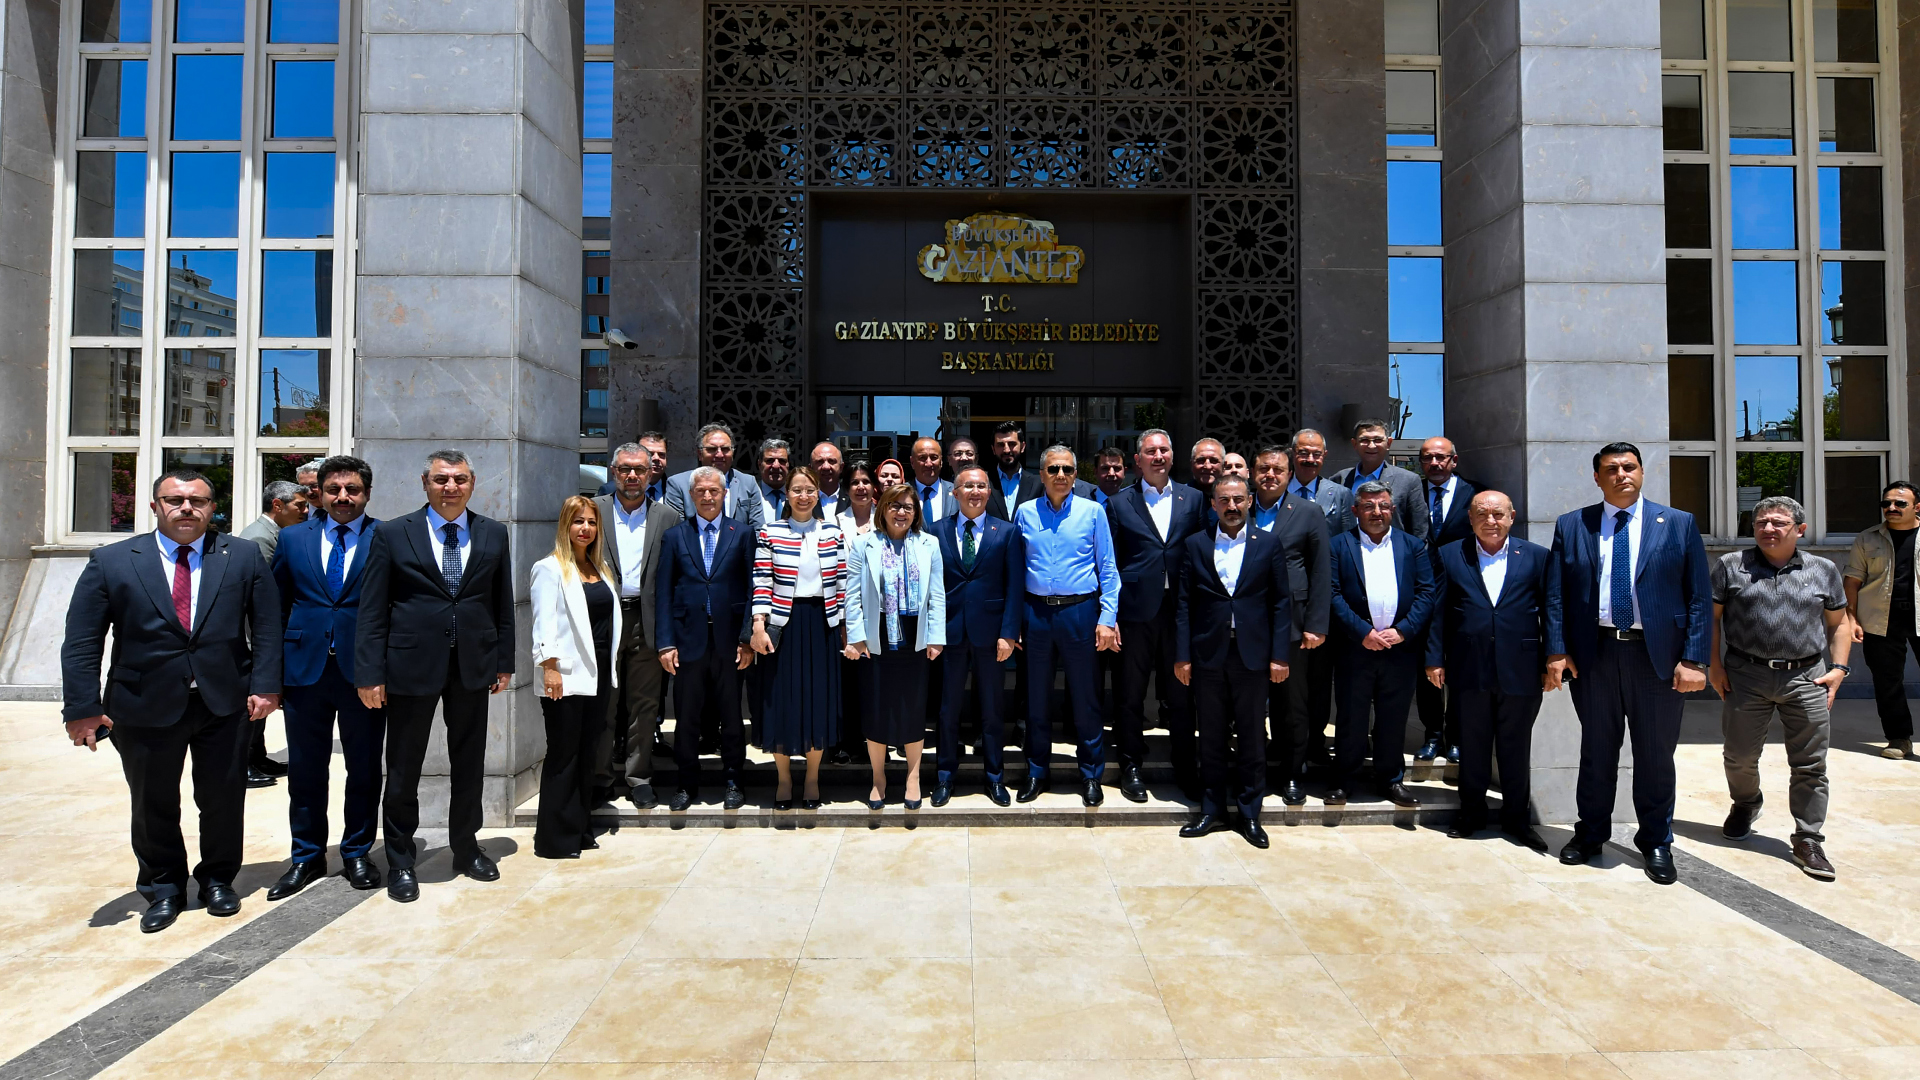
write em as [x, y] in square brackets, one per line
[1907, 45]
[1555, 274]
[468, 291]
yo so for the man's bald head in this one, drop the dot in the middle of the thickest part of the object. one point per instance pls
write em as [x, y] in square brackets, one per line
[1492, 515]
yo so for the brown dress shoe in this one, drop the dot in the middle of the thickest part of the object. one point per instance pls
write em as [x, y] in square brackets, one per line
[1808, 856]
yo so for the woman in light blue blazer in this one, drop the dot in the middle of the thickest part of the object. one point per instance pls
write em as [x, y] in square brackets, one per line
[897, 621]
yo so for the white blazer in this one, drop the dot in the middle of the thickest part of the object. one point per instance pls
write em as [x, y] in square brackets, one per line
[563, 631]
[865, 620]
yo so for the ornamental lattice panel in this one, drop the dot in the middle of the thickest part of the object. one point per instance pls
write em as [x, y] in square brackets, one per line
[1170, 97]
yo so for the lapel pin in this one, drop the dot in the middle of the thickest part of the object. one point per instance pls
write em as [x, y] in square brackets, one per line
[1660, 521]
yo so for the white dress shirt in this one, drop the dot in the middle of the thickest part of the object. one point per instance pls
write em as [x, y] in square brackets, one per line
[1493, 568]
[806, 580]
[1607, 512]
[1229, 554]
[770, 505]
[328, 531]
[437, 534]
[829, 507]
[630, 540]
[1159, 505]
[931, 500]
[1381, 578]
[1446, 499]
[169, 557]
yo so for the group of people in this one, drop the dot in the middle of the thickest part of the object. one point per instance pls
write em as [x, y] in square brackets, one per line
[856, 605]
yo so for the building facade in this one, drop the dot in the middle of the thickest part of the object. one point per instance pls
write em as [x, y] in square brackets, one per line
[383, 226]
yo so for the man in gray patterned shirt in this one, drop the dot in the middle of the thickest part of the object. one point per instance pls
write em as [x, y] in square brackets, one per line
[1774, 610]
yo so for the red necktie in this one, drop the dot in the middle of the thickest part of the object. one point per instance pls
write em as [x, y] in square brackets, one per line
[183, 588]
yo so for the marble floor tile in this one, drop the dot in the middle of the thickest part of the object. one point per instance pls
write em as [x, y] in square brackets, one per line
[465, 1070]
[1666, 917]
[654, 859]
[856, 921]
[1150, 1069]
[901, 858]
[1807, 998]
[766, 859]
[730, 923]
[486, 1010]
[1465, 1005]
[433, 927]
[1260, 1007]
[1311, 859]
[1422, 857]
[98, 861]
[1518, 918]
[129, 1069]
[1723, 1065]
[1872, 1062]
[658, 1070]
[568, 924]
[1624, 1001]
[682, 1011]
[511, 851]
[1003, 858]
[40, 996]
[1512, 1067]
[1080, 1008]
[1159, 856]
[1340, 1068]
[893, 1009]
[1207, 920]
[1365, 918]
[1058, 921]
[864, 1070]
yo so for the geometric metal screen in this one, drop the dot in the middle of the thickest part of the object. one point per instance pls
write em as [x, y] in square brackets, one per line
[1181, 98]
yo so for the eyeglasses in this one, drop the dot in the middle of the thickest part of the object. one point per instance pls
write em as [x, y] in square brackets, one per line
[1893, 504]
[1436, 457]
[632, 470]
[1060, 470]
[175, 502]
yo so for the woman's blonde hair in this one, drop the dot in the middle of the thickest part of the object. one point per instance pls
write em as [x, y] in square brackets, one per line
[570, 512]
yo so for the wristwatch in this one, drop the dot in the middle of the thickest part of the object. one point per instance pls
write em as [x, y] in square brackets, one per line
[1841, 667]
[1693, 664]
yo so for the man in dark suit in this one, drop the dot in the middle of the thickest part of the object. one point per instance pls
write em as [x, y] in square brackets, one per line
[435, 631]
[318, 568]
[705, 584]
[1382, 602]
[1016, 484]
[1233, 624]
[634, 526]
[1370, 444]
[1448, 496]
[1298, 709]
[985, 562]
[1151, 521]
[195, 621]
[1495, 629]
[1335, 500]
[1637, 641]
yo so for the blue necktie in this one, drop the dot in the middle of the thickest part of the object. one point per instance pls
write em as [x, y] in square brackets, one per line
[1622, 573]
[926, 503]
[337, 562]
[450, 557]
[1438, 493]
[708, 534]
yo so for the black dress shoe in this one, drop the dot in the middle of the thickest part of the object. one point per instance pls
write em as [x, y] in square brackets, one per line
[1256, 835]
[1035, 787]
[1578, 851]
[1739, 823]
[403, 886]
[998, 793]
[1202, 825]
[1660, 865]
[809, 804]
[270, 767]
[481, 868]
[361, 873]
[1335, 797]
[942, 793]
[734, 798]
[1464, 827]
[1428, 750]
[298, 876]
[1526, 838]
[681, 800]
[783, 804]
[1094, 794]
[840, 757]
[258, 779]
[220, 899]
[1292, 794]
[161, 914]
[1398, 795]
[643, 797]
[1132, 784]
[1453, 754]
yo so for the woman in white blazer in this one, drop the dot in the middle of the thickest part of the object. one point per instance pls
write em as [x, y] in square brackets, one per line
[576, 620]
[896, 625]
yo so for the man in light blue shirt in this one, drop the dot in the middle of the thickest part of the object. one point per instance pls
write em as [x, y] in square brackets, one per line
[1070, 565]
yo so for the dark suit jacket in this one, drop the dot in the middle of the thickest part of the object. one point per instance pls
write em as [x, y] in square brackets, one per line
[1409, 496]
[408, 618]
[1148, 564]
[983, 604]
[1352, 621]
[661, 519]
[1670, 578]
[1336, 502]
[1458, 525]
[743, 498]
[1257, 615]
[317, 620]
[233, 650]
[1504, 646]
[688, 592]
[1301, 528]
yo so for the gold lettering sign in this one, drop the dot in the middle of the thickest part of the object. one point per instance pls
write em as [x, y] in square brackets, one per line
[1002, 249]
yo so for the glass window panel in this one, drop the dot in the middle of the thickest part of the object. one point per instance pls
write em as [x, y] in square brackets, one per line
[1850, 218]
[594, 292]
[206, 97]
[202, 292]
[104, 499]
[1692, 489]
[299, 195]
[596, 195]
[1690, 397]
[596, 101]
[1853, 492]
[210, 20]
[599, 29]
[302, 100]
[1846, 115]
[1680, 112]
[1690, 301]
[199, 393]
[296, 293]
[1853, 295]
[1759, 476]
[217, 467]
[107, 292]
[295, 392]
[303, 21]
[1682, 30]
[1759, 30]
[205, 195]
[1845, 31]
[104, 394]
[1413, 27]
[285, 464]
[116, 94]
[1689, 206]
[1413, 202]
[1417, 383]
[1856, 397]
[116, 20]
[1761, 199]
[1766, 392]
[1760, 112]
[1410, 109]
[110, 194]
[1765, 303]
[1413, 300]
[593, 393]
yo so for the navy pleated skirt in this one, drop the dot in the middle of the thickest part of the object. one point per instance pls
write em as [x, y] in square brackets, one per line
[802, 702]
[895, 690]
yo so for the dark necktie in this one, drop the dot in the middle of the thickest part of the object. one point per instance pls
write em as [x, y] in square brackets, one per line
[708, 533]
[1622, 573]
[967, 548]
[926, 503]
[450, 557]
[183, 588]
[1434, 512]
[337, 561]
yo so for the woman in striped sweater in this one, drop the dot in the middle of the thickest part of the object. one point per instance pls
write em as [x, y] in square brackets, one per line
[799, 568]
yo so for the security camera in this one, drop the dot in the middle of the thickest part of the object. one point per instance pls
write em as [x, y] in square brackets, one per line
[620, 339]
